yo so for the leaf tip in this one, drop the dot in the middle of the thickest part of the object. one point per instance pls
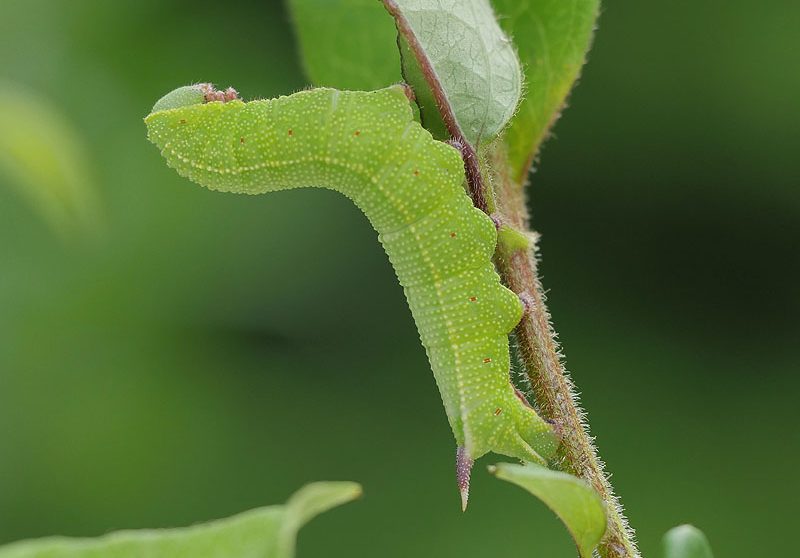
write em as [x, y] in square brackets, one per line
[686, 541]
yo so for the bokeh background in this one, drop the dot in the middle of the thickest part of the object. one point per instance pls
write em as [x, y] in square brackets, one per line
[202, 353]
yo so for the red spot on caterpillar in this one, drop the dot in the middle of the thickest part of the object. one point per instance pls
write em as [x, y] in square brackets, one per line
[498, 411]
[473, 298]
[357, 133]
[241, 140]
[183, 121]
[291, 132]
[452, 235]
[487, 360]
[416, 172]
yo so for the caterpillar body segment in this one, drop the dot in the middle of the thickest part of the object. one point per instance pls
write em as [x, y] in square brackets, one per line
[367, 146]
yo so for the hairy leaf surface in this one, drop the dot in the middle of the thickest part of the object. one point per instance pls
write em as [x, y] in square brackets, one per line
[465, 57]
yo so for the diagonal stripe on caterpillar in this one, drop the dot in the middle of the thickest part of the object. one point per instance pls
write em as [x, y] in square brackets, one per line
[367, 146]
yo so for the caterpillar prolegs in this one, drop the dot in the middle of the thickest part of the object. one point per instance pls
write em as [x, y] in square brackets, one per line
[367, 146]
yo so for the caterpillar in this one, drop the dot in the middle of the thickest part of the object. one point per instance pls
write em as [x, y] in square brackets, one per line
[368, 147]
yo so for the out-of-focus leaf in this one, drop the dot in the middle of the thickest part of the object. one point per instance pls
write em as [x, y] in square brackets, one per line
[348, 44]
[552, 38]
[268, 532]
[43, 157]
[686, 541]
[465, 57]
[571, 499]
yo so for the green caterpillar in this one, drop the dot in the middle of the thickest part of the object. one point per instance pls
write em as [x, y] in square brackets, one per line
[367, 146]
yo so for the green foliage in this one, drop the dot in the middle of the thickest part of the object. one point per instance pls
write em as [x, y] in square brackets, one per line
[425, 100]
[140, 382]
[347, 44]
[351, 44]
[686, 541]
[476, 89]
[571, 499]
[43, 157]
[552, 38]
[466, 56]
[268, 532]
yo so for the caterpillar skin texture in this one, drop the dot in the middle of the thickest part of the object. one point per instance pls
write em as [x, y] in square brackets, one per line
[367, 146]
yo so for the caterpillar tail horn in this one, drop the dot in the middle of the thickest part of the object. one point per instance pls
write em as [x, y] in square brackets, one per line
[463, 471]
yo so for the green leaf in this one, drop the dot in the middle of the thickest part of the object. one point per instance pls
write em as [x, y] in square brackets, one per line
[429, 114]
[552, 38]
[44, 159]
[686, 541]
[572, 500]
[347, 44]
[466, 61]
[268, 532]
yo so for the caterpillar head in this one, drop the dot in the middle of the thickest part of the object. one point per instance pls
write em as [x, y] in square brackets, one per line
[194, 95]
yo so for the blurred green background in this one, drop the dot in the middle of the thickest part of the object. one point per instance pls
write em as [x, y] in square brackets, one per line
[205, 353]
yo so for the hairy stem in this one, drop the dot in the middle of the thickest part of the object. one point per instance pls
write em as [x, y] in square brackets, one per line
[553, 389]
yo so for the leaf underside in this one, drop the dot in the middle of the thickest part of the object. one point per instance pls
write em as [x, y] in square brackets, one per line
[350, 44]
[466, 57]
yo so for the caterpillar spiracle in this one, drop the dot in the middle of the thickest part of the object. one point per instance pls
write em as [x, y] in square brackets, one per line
[367, 146]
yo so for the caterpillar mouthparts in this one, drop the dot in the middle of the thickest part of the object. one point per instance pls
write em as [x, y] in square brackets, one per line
[196, 94]
[211, 94]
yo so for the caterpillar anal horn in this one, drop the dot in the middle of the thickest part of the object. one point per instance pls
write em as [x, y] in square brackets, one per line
[463, 471]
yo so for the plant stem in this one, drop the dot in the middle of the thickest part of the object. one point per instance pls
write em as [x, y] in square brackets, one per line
[553, 389]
